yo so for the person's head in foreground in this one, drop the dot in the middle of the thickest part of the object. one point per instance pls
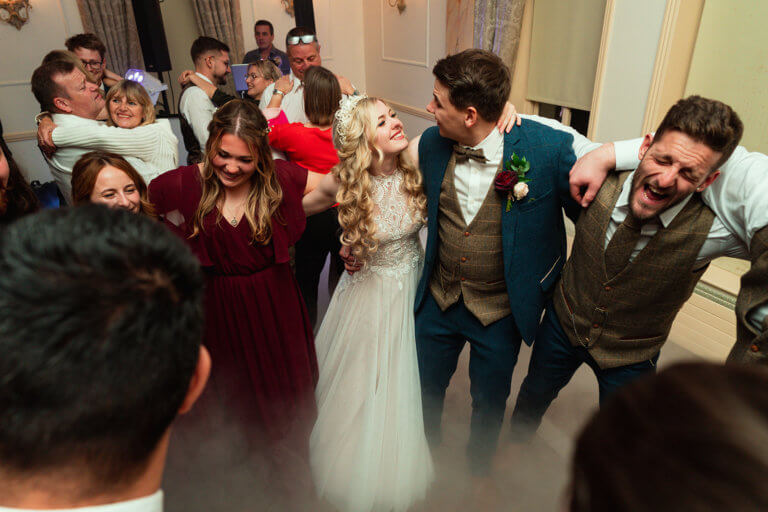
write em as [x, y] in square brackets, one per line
[238, 159]
[470, 91]
[693, 438]
[370, 141]
[303, 50]
[129, 105]
[107, 178]
[260, 74]
[696, 136]
[100, 330]
[74, 59]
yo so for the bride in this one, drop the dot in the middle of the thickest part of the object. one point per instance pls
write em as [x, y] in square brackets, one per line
[368, 449]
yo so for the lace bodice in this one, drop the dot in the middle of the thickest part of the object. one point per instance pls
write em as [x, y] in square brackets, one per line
[397, 229]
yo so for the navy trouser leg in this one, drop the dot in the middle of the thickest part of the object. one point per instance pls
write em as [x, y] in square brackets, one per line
[492, 359]
[438, 347]
[440, 336]
[553, 362]
[610, 380]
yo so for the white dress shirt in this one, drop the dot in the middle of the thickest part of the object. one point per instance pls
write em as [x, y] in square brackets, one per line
[151, 503]
[62, 162]
[719, 242]
[197, 108]
[293, 101]
[473, 179]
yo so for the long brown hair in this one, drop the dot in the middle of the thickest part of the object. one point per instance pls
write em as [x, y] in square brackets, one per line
[132, 91]
[322, 95]
[16, 198]
[244, 120]
[86, 172]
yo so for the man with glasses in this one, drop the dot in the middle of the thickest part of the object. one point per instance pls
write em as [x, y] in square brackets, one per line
[303, 52]
[211, 58]
[264, 33]
[92, 52]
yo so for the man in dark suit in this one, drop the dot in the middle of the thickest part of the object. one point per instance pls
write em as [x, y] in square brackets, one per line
[493, 250]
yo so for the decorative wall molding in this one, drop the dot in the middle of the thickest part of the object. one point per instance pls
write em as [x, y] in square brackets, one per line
[422, 64]
[15, 83]
[20, 136]
[661, 64]
[610, 9]
[408, 109]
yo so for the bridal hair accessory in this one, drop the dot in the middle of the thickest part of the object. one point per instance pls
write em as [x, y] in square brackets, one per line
[344, 116]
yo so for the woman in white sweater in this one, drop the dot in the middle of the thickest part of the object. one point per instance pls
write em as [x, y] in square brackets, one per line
[131, 131]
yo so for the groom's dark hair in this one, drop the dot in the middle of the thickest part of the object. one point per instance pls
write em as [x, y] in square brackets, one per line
[476, 78]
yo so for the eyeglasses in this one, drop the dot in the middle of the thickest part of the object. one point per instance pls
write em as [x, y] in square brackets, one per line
[303, 39]
[93, 63]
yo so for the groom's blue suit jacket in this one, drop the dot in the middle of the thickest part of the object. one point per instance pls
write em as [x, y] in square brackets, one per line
[533, 232]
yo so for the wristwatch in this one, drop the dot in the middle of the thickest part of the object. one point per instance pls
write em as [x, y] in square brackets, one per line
[278, 91]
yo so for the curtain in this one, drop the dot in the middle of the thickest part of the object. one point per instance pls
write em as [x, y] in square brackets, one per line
[565, 45]
[220, 19]
[112, 21]
[497, 28]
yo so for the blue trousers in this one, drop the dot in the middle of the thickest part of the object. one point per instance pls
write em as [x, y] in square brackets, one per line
[440, 337]
[554, 360]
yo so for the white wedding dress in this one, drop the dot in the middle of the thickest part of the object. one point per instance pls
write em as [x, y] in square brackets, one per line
[368, 449]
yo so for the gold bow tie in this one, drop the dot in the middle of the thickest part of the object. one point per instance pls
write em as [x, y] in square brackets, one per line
[463, 154]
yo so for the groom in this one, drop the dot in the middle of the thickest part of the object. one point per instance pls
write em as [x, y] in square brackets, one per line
[491, 258]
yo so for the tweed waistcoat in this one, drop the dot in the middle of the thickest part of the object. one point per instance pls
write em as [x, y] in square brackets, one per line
[469, 259]
[191, 144]
[626, 319]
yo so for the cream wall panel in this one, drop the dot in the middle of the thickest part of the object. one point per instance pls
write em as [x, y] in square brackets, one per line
[50, 23]
[627, 69]
[730, 63]
[414, 21]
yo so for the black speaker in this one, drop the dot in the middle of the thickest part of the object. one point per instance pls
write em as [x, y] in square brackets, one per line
[305, 14]
[149, 22]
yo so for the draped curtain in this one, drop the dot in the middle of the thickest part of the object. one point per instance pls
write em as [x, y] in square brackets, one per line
[220, 19]
[497, 28]
[113, 22]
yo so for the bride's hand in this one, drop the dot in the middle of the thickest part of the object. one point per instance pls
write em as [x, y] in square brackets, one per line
[351, 265]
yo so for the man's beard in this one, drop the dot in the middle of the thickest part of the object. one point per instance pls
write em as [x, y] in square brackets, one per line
[221, 80]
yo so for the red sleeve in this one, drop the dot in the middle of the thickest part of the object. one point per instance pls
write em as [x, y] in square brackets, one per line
[280, 136]
[293, 180]
[165, 191]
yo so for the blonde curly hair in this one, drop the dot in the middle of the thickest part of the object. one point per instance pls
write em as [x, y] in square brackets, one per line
[354, 140]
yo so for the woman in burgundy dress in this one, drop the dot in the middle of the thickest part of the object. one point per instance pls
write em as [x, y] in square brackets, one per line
[240, 212]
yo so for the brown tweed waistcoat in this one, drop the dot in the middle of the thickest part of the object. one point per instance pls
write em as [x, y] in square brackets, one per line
[626, 319]
[470, 262]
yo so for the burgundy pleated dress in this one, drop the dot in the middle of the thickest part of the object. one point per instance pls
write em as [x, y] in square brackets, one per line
[264, 367]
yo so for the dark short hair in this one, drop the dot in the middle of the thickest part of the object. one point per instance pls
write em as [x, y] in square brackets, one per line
[693, 437]
[475, 78]
[203, 45]
[100, 330]
[711, 122]
[267, 23]
[45, 88]
[88, 41]
[299, 31]
[322, 95]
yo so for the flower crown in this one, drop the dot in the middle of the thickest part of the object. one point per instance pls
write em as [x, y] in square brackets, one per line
[344, 116]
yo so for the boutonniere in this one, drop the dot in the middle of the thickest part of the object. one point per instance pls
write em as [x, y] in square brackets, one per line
[511, 179]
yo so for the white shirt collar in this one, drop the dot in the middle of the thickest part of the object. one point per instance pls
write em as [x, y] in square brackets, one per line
[297, 84]
[666, 217]
[204, 78]
[151, 503]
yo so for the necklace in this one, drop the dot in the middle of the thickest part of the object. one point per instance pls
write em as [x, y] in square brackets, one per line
[234, 220]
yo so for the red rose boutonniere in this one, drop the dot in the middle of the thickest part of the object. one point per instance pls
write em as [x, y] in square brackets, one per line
[511, 179]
